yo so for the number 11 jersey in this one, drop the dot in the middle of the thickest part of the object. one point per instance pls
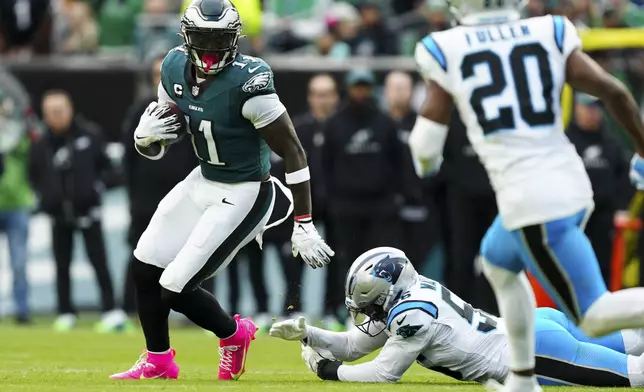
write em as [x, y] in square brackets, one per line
[224, 113]
[506, 81]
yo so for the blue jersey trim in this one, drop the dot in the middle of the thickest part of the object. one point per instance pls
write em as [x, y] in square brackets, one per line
[401, 308]
[436, 52]
[560, 31]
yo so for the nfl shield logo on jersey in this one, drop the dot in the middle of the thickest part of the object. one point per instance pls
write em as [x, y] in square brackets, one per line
[195, 90]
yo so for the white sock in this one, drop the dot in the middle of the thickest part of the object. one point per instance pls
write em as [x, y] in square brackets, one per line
[514, 382]
[517, 306]
[636, 371]
[612, 312]
[161, 353]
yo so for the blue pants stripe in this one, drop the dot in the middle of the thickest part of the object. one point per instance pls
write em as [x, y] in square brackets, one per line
[557, 253]
[563, 359]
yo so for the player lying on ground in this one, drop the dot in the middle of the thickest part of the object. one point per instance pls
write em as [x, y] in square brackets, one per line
[416, 319]
[505, 76]
[235, 120]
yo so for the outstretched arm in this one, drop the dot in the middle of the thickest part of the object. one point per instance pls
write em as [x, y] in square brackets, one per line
[281, 138]
[428, 137]
[269, 117]
[389, 366]
[585, 75]
[411, 331]
[345, 346]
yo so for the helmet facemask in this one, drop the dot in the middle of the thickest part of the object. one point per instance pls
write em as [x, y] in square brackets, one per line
[210, 49]
[368, 317]
[374, 283]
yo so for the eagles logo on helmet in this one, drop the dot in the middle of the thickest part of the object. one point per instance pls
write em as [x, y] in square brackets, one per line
[210, 30]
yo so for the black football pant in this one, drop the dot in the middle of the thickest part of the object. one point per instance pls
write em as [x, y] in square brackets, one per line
[469, 217]
[293, 269]
[352, 236]
[138, 225]
[256, 270]
[63, 244]
[154, 303]
[599, 230]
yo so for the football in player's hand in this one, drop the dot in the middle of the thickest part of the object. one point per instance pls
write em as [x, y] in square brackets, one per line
[181, 120]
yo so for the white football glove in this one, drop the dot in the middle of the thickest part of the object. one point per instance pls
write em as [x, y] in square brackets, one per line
[311, 357]
[307, 243]
[153, 128]
[426, 167]
[637, 172]
[293, 329]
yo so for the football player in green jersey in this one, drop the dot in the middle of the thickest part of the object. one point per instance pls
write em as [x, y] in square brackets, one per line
[235, 119]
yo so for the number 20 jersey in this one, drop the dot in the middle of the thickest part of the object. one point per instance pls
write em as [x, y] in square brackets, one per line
[506, 81]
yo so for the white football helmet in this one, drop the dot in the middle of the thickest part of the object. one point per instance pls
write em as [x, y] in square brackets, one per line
[210, 31]
[374, 283]
[478, 12]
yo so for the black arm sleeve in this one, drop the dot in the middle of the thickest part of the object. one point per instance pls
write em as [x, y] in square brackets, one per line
[328, 370]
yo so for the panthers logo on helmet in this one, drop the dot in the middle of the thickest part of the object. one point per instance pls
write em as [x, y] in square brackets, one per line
[389, 269]
[258, 82]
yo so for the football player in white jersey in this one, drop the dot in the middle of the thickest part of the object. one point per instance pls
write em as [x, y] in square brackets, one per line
[505, 75]
[413, 318]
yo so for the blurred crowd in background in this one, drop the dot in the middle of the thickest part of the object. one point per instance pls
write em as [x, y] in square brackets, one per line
[366, 193]
[337, 29]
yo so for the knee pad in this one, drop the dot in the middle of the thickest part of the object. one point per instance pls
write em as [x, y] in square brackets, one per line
[145, 275]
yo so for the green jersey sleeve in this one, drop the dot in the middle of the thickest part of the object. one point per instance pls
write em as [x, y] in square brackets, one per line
[172, 69]
[256, 77]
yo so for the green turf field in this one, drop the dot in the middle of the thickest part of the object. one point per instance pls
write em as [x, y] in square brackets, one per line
[37, 359]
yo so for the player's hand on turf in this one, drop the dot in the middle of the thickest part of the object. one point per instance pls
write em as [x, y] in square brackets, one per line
[311, 357]
[637, 172]
[293, 329]
[154, 127]
[310, 246]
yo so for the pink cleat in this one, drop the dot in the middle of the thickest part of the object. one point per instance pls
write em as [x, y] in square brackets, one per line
[233, 351]
[161, 366]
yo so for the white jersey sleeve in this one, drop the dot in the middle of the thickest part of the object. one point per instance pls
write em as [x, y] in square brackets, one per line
[432, 63]
[566, 36]
[345, 346]
[262, 110]
[411, 329]
[162, 95]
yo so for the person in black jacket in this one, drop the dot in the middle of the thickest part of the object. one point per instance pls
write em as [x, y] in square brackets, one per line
[415, 225]
[471, 209]
[362, 159]
[323, 101]
[148, 181]
[607, 166]
[68, 167]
